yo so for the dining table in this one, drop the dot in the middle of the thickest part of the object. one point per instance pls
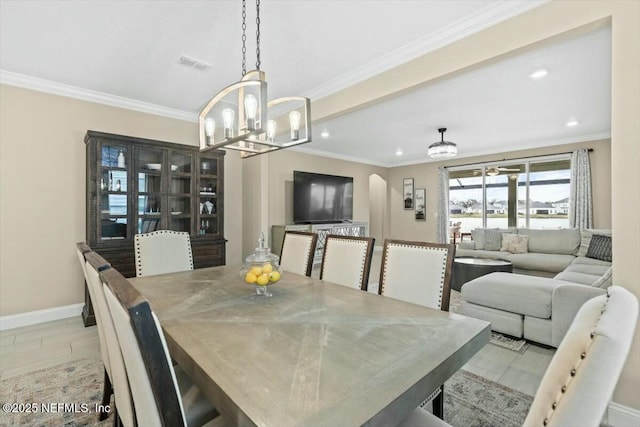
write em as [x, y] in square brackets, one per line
[313, 354]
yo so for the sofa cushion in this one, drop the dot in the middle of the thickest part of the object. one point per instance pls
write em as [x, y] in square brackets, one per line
[552, 263]
[600, 247]
[590, 261]
[577, 277]
[515, 293]
[483, 254]
[514, 243]
[585, 239]
[492, 240]
[565, 241]
[593, 269]
[477, 234]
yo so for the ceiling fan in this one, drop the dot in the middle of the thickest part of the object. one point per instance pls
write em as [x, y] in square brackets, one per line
[495, 170]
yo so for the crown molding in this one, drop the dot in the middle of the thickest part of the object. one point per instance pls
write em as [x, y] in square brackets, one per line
[48, 86]
[394, 164]
[330, 155]
[528, 146]
[487, 17]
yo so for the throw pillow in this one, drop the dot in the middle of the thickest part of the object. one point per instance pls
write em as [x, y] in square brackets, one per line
[600, 247]
[515, 243]
[605, 281]
[477, 235]
[492, 240]
[585, 239]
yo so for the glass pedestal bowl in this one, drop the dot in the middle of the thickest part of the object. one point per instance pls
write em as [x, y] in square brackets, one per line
[261, 269]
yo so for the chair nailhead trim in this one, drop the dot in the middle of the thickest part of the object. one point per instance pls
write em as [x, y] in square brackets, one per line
[583, 355]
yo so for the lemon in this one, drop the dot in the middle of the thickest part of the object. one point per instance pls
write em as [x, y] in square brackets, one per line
[257, 271]
[274, 276]
[262, 280]
[250, 278]
[267, 268]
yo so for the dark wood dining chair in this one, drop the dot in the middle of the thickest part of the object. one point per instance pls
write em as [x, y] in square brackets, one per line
[162, 251]
[347, 260]
[124, 412]
[161, 394]
[420, 273]
[298, 250]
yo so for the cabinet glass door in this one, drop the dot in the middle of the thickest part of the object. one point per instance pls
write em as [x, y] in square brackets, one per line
[150, 206]
[208, 200]
[180, 186]
[112, 192]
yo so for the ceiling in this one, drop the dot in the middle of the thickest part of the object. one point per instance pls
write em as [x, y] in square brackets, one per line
[126, 53]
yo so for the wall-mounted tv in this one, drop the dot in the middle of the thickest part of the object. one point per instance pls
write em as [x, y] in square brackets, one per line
[319, 198]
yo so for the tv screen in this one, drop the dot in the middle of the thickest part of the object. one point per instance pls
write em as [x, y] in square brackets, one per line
[321, 198]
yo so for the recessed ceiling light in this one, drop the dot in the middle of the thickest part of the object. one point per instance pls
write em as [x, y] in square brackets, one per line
[538, 74]
[325, 134]
[399, 152]
[572, 123]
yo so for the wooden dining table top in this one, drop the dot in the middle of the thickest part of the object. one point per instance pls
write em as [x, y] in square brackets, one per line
[313, 354]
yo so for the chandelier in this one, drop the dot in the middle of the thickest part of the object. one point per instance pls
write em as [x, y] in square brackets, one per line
[241, 118]
[442, 149]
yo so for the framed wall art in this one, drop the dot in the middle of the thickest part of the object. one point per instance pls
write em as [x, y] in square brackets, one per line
[420, 205]
[407, 191]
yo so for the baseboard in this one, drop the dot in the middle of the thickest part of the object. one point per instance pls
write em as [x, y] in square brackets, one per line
[40, 316]
[623, 416]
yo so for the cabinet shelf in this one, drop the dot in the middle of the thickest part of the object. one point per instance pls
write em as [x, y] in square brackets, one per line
[161, 177]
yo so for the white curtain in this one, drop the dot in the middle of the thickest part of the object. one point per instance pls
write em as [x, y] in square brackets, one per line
[443, 205]
[581, 203]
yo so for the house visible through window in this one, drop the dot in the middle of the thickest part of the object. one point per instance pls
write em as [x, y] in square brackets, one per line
[532, 193]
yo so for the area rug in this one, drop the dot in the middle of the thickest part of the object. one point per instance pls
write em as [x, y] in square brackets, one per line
[514, 344]
[469, 400]
[38, 398]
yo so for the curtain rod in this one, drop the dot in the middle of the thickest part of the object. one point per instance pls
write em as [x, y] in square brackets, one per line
[508, 160]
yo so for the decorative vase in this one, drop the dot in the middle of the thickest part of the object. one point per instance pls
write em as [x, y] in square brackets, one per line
[261, 269]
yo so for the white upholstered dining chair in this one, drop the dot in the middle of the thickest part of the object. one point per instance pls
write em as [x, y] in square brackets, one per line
[347, 260]
[298, 249]
[123, 413]
[162, 395]
[162, 251]
[419, 273]
[579, 382]
[82, 249]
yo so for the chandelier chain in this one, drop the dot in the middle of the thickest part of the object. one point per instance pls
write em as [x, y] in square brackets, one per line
[244, 38]
[258, 35]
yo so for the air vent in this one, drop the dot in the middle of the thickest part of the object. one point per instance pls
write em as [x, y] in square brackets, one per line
[188, 61]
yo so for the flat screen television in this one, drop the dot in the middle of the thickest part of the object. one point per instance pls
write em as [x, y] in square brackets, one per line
[319, 198]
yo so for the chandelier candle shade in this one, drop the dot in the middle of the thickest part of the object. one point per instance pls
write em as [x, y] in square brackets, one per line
[250, 123]
[442, 149]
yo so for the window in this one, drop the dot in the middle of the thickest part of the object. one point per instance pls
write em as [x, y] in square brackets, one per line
[531, 193]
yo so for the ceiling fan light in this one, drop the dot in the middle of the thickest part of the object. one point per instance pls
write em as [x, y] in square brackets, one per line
[493, 172]
[442, 149]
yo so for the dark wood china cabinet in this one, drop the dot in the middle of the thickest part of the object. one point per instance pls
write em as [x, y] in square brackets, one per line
[137, 185]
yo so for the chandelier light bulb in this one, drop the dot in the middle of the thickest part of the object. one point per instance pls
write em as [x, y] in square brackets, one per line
[294, 121]
[271, 130]
[227, 118]
[209, 129]
[250, 110]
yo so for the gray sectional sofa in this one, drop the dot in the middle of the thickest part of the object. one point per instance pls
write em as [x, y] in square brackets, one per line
[525, 305]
